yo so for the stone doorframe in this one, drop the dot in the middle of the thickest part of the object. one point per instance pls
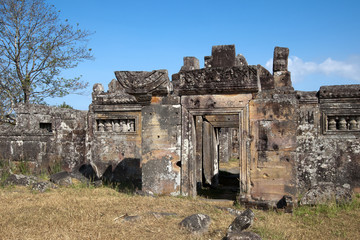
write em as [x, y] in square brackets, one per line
[189, 167]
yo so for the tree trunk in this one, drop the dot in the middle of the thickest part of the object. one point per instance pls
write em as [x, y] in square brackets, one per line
[26, 96]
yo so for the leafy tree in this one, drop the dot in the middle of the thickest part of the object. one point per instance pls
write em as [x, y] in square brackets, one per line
[35, 45]
[65, 105]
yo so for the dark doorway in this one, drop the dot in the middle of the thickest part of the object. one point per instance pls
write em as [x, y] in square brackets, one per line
[217, 156]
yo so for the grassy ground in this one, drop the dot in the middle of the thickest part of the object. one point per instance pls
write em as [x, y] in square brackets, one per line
[97, 213]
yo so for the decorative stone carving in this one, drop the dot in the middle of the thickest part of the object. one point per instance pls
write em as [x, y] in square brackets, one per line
[108, 126]
[307, 97]
[116, 125]
[101, 126]
[343, 123]
[143, 83]
[339, 91]
[332, 124]
[218, 80]
[353, 124]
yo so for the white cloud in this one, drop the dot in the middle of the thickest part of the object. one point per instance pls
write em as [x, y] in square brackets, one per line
[299, 69]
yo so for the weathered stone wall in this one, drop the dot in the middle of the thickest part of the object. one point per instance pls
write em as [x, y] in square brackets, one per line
[44, 136]
[161, 145]
[273, 121]
[326, 153]
[114, 135]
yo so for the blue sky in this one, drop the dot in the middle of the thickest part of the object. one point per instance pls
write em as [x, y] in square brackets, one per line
[323, 37]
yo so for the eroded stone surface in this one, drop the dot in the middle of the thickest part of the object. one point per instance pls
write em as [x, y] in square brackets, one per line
[197, 223]
[324, 193]
[243, 236]
[241, 222]
[43, 186]
[20, 179]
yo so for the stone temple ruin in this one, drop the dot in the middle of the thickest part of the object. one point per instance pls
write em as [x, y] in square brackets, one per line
[172, 137]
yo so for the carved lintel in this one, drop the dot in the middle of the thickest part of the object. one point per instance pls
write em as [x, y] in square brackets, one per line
[218, 80]
[339, 91]
[140, 82]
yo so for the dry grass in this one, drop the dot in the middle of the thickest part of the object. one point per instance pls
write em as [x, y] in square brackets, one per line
[233, 163]
[95, 213]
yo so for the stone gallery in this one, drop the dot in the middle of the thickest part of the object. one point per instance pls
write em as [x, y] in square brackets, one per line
[172, 137]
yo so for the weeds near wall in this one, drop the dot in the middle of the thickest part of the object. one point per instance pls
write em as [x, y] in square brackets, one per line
[54, 167]
[328, 210]
[5, 169]
[326, 221]
[23, 167]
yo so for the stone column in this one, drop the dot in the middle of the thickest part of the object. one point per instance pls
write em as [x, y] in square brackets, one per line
[282, 77]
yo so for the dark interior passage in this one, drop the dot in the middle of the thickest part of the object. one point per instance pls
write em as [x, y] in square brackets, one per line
[218, 154]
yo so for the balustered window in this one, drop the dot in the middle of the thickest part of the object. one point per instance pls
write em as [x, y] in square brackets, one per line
[116, 125]
[335, 123]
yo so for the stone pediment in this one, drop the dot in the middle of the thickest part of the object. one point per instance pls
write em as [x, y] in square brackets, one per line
[142, 82]
[237, 79]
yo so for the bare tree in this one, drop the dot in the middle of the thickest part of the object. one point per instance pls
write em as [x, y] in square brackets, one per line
[35, 45]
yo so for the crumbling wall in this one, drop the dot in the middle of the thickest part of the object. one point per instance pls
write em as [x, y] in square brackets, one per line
[161, 145]
[273, 121]
[328, 141]
[44, 136]
[114, 135]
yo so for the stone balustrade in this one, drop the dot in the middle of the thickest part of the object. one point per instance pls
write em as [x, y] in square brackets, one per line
[116, 125]
[343, 123]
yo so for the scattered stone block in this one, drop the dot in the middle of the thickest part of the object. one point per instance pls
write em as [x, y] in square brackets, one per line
[131, 218]
[242, 236]
[196, 223]
[43, 186]
[145, 193]
[20, 179]
[242, 222]
[163, 214]
[61, 178]
[286, 203]
[231, 211]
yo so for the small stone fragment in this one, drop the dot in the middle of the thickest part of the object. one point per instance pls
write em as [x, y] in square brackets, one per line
[242, 236]
[242, 222]
[131, 218]
[231, 211]
[163, 214]
[42, 186]
[286, 203]
[20, 179]
[196, 223]
[61, 178]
